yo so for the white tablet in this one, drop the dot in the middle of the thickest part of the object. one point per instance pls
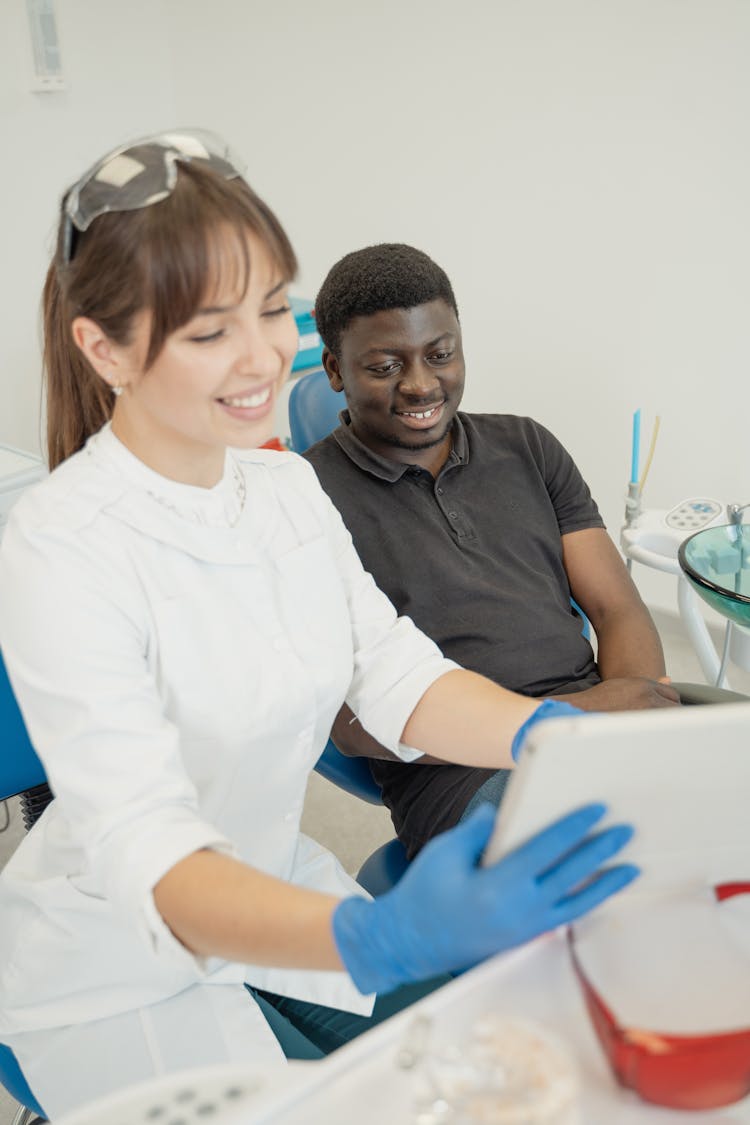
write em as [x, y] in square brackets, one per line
[681, 776]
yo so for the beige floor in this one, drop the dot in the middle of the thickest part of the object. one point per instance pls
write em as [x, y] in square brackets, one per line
[353, 829]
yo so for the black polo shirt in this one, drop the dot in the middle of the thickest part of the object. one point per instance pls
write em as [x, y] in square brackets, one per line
[474, 557]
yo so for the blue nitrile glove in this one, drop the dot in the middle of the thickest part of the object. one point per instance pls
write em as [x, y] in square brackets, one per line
[447, 913]
[548, 709]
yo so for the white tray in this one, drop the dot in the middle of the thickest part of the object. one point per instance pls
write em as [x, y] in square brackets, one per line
[362, 1084]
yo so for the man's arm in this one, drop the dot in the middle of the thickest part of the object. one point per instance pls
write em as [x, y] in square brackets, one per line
[629, 655]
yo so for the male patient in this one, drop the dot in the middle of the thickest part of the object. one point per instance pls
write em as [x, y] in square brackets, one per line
[477, 526]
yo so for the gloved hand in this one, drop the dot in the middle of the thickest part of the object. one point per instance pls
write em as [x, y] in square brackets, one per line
[447, 913]
[548, 709]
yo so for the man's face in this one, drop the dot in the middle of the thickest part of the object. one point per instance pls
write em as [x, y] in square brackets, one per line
[402, 371]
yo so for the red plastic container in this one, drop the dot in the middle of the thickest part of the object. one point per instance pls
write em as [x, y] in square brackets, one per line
[680, 1071]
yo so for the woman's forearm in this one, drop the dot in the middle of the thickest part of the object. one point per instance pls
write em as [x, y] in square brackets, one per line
[351, 739]
[465, 718]
[218, 906]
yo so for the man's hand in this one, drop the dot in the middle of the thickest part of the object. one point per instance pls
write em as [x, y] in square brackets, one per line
[623, 693]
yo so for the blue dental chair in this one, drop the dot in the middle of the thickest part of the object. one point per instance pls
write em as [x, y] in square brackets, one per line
[313, 412]
[314, 409]
[21, 774]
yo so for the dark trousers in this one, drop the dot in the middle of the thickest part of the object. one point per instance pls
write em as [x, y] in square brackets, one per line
[311, 1031]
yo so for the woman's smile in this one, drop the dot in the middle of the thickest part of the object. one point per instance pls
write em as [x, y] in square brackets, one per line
[249, 405]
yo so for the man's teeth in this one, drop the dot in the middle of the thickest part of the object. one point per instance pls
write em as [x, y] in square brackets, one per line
[421, 414]
[260, 399]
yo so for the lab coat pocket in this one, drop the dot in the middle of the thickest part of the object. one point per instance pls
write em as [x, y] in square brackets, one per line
[211, 659]
[314, 598]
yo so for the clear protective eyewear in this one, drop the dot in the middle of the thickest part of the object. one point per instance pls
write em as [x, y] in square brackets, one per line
[139, 174]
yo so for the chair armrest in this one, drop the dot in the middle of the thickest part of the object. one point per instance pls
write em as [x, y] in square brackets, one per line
[706, 693]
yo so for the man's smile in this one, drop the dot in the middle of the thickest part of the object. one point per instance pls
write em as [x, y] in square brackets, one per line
[419, 419]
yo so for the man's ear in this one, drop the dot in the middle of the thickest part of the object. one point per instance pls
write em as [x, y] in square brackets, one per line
[331, 365]
[103, 354]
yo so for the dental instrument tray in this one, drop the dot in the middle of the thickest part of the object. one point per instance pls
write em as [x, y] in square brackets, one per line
[672, 1015]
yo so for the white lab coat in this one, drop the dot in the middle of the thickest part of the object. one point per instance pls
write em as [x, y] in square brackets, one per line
[179, 682]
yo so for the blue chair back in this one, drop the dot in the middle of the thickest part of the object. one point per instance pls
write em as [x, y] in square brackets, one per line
[313, 413]
[383, 869]
[20, 768]
[351, 774]
[313, 410]
[14, 1082]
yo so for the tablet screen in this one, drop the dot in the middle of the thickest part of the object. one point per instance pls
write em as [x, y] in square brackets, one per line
[681, 776]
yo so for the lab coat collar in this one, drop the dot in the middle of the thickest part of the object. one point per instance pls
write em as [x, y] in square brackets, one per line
[128, 498]
[235, 546]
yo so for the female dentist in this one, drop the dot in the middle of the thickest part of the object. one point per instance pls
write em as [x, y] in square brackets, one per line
[182, 615]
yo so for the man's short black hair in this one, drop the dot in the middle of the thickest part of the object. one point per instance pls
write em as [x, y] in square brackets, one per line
[390, 275]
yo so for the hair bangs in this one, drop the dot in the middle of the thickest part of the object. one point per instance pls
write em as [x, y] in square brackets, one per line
[196, 250]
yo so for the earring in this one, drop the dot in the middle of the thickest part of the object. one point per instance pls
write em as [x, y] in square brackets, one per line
[116, 389]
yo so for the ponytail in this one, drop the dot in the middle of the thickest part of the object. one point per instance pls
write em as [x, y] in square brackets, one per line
[78, 401]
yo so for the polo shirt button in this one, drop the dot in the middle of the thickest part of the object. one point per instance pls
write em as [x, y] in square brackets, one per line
[440, 492]
[453, 515]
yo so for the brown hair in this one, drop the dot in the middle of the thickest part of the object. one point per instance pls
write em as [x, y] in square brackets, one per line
[161, 258]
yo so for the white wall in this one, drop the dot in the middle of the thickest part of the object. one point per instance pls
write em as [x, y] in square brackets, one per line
[581, 168]
[119, 84]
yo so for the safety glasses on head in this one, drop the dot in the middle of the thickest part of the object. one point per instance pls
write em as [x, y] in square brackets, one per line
[139, 174]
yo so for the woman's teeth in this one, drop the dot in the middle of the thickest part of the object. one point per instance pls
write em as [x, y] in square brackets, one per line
[248, 401]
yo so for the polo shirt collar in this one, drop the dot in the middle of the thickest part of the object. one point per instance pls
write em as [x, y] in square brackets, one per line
[382, 467]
